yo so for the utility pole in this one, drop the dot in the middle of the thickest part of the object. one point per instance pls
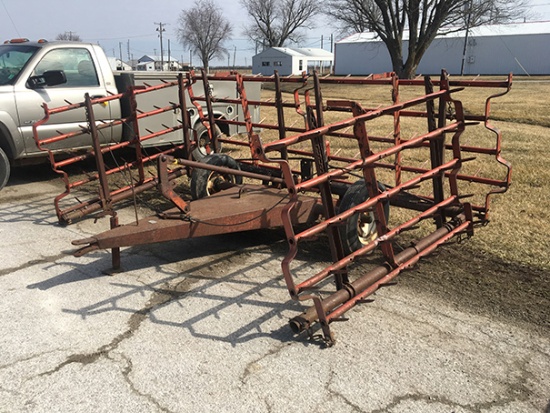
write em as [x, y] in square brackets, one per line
[161, 29]
[169, 60]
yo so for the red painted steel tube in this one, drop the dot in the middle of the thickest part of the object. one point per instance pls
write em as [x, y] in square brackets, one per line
[106, 99]
[291, 140]
[373, 79]
[310, 282]
[405, 257]
[386, 195]
[338, 312]
[375, 157]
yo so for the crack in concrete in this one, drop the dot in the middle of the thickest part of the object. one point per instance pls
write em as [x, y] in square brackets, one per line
[339, 395]
[516, 391]
[159, 297]
[126, 372]
[249, 368]
[28, 358]
[32, 263]
[397, 400]
[437, 329]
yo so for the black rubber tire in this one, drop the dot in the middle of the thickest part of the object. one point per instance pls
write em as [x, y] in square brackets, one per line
[4, 169]
[205, 182]
[199, 153]
[352, 237]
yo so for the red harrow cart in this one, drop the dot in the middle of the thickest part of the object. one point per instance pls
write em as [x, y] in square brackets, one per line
[418, 169]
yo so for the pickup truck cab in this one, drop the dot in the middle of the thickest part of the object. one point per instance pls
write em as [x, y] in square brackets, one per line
[33, 73]
[59, 73]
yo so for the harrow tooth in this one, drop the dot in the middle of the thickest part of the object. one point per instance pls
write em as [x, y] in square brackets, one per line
[339, 319]
[387, 284]
[365, 301]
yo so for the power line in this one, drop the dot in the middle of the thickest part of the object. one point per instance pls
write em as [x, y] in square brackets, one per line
[12, 22]
[122, 37]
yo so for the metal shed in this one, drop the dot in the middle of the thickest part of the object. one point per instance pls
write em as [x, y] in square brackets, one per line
[521, 48]
[289, 61]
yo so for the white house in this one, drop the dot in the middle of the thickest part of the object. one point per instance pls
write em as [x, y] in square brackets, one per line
[521, 48]
[288, 61]
[149, 63]
[117, 64]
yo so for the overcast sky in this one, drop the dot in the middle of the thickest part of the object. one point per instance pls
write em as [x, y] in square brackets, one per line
[115, 23]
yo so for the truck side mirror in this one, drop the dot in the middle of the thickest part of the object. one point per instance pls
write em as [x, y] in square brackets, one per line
[48, 78]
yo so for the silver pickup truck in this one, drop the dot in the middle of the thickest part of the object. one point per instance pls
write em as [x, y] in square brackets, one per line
[55, 73]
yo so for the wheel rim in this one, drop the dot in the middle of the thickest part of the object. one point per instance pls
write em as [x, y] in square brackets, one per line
[216, 182]
[366, 228]
[202, 142]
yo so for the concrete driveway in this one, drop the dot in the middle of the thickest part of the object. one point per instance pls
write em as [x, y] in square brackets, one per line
[202, 326]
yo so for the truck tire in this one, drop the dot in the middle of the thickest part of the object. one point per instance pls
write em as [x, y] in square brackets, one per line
[205, 182]
[360, 228]
[4, 169]
[199, 153]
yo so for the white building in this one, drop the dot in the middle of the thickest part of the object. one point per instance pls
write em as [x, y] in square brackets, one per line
[117, 64]
[288, 61]
[150, 63]
[520, 48]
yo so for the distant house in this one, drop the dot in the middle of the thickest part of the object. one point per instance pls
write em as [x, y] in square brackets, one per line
[288, 61]
[117, 64]
[150, 63]
[496, 49]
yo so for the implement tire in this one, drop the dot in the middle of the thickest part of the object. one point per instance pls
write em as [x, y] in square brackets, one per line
[199, 153]
[360, 228]
[205, 182]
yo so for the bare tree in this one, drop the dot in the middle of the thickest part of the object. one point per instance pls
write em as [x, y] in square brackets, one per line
[276, 22]
[203, 30]
[70, 36]
[422, 19]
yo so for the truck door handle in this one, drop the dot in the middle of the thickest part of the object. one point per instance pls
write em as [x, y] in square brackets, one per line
[97, 96]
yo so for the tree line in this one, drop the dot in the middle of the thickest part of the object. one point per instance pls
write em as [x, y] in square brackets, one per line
[204, 30]
[277, 23]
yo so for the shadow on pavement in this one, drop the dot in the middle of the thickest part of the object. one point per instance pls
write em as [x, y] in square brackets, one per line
[235, 281]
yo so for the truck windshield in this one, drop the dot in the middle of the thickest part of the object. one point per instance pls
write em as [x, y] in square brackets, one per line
[12, 60]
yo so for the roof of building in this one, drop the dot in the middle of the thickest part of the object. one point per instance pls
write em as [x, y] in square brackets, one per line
[508, 29]
[155, 58]
[304, 52]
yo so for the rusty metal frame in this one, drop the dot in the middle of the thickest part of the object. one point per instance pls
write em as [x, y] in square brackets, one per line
[107, 196]
[290, 196]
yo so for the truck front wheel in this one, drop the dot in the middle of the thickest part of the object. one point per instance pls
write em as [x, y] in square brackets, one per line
[4, 169]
